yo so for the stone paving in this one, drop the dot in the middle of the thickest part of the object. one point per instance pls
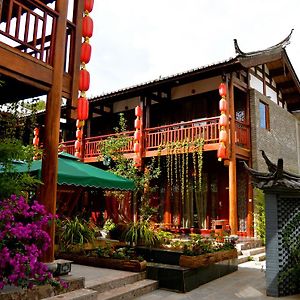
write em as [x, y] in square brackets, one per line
[247, 283]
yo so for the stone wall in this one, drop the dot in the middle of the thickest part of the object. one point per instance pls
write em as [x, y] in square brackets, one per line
[281, 141]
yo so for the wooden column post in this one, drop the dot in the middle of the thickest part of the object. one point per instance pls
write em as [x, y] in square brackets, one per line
[232, 164]
[250, 228]
[167, 208]
[51, 138]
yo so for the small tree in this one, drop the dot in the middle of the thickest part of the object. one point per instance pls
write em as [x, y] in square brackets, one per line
[260, 214]
[122, 166]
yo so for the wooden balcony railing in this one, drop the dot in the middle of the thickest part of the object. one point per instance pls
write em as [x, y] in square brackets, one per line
[208, 129]
[33, 31]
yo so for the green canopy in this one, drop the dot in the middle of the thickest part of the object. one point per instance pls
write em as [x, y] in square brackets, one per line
[73, 172]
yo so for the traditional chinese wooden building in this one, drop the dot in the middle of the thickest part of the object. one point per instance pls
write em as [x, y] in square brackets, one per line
[40, 55]
[263, 97]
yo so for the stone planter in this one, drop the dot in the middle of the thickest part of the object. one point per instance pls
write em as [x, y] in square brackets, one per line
[204, 260]
[103, 262]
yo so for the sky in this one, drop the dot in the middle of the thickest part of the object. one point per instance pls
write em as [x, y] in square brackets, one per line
[136, 41]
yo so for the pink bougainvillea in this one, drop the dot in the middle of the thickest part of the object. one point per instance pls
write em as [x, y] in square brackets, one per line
[22, 240]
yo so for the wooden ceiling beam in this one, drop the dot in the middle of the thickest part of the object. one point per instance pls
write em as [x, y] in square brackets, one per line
[286, 84]
[277, 72]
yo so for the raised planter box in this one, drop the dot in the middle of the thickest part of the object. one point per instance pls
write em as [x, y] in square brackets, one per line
[204, 260]
[103, 262]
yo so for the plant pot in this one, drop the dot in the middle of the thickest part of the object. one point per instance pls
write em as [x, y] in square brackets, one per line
[204, 260]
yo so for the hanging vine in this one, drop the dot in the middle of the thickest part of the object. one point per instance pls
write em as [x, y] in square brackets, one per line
[171, 164]
[200, 143]
[187, 169]
[168, 162]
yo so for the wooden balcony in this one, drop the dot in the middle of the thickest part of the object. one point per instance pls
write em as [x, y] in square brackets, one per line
[27, 34]
[154, 138]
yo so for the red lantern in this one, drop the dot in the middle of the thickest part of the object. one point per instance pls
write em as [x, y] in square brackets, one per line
[221, 152]
[223, 120]
[36, 131]
[86, 52]
[83, 109]
[79, 134]
[88, 5]
[137, 135]
[77, 154]
[36, 141]
[84, 80]
[77, 145]
[138, 111]
[136, 147]
[87, 26]
[137, 123]
[223, 105]
[223, 136]
[222, 90]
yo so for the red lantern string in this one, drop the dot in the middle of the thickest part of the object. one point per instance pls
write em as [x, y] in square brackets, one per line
[137, 160]
[84, 75]
[223, 122]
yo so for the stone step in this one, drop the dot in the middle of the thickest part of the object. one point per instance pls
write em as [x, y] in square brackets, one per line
[243, 258]
[248, 245]
[259, 257]
[253, 251]
[129, 291]
[102, 286]
[81, 294]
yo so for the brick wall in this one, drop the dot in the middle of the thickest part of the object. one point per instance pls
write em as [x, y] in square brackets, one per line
[281, 141]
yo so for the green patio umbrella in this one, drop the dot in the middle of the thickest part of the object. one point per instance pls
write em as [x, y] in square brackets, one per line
[73, 172]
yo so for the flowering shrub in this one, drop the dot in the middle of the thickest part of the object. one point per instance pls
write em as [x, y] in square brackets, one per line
[22, 241]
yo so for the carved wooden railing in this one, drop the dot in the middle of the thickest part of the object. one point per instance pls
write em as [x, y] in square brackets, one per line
[92, 145]
[29, 26]
[208, 129]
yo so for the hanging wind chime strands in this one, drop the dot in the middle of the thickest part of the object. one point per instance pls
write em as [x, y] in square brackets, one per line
[84, 75]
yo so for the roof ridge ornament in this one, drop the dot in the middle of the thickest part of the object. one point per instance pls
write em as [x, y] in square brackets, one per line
[281, 44]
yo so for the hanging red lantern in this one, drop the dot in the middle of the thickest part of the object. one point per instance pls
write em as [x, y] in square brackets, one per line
[86, 52]
[136, 147]
[137, 123]
[222, 90]
[221, 152]
[77, 154]
[83, 109]
[36, 141]
[223, 105]
[79, 134]
[88, 5]
[87, 26]
[137, 135]
[84, 80]
[223, 120]
[36, 131]
[138, 111]
[223, 136]
[77, 145]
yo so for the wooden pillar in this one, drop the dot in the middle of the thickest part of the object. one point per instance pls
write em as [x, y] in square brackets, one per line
[147, 113]
[250, 206]
[51, 137]
[232, 164]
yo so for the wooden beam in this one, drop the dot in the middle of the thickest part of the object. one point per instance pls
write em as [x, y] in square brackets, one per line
[51, 137]
[276, 72]
[286, 84]
[232, 165]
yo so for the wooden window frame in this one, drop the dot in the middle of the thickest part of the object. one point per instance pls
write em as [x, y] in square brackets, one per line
[267, 115]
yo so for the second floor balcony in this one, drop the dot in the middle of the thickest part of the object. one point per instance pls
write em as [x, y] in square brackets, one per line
[156, 139]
